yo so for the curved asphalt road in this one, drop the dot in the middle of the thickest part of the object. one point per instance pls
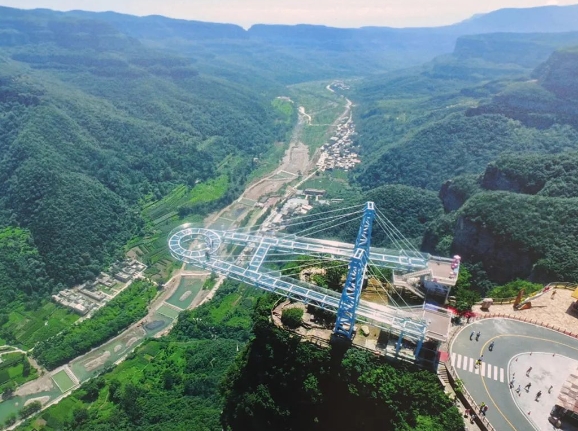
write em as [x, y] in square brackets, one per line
[511, 338]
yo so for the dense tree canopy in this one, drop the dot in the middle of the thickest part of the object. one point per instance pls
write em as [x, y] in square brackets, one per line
[284, 384]
[92, 123]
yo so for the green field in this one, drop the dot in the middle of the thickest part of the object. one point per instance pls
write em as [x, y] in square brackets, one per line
[63, 381]
[11, 370]
[160, 211]
[28, 327]
[187, 284]
[163, 217]
[170, 312]
[269, 161]
[323, 106]
[334, 182]
[248, 202]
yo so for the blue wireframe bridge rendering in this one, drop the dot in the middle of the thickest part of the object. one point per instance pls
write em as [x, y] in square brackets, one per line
[210, 249]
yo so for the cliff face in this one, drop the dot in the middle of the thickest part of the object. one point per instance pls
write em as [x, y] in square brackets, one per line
[560, 74]
[451, 198]
[502, 259]
[520, 222]
[496, 178]
[454, 193]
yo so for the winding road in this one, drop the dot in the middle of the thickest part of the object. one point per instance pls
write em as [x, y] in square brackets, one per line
[517, 347]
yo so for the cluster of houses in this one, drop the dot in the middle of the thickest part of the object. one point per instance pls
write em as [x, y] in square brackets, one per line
[127, 270]
[339, 152]
[90, 296]
[77, 302]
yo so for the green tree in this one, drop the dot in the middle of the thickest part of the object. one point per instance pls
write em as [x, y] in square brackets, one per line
[465, 296]
[9, 389]
[292, 317]
[10, 419]
[80, 416]
[25, 366]
[30, 409]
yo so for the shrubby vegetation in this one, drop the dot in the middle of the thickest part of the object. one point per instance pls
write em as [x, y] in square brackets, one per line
[511, 289]
[229, 315]
[126, 308]
[529, 226]
[459, 144]
[29, 409]
[292, 317]
[555, 175]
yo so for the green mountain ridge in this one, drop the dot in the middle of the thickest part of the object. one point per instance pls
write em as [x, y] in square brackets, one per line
[90, 128]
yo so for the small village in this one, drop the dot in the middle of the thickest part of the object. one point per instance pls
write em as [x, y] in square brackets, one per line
[88, 297]
[339, 152]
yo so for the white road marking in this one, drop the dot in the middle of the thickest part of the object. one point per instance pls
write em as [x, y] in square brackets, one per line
[471, 365]
[501, 375]
[484, 369]
[454, 359]
[495, 372]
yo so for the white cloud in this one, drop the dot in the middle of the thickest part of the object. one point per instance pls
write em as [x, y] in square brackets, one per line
[340, 13]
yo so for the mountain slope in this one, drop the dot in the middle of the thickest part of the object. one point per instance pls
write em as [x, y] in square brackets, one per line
[94, 122]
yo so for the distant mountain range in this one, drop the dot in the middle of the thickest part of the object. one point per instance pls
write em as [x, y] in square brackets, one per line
[326, 51]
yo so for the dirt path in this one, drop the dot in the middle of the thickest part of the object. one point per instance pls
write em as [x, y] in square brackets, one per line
[295, 163]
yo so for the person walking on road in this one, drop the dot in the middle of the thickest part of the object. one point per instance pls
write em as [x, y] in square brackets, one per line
[553, 294]
[482, 407]
[478, 335]
[528, 371]
[538, 395]
[550, 388]
[512, 382]
[472, 335]
[519, 389]
[491, 346]
[527, 387]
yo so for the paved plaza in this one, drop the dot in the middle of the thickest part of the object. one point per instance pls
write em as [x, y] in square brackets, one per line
[517, 347]
[547, 309]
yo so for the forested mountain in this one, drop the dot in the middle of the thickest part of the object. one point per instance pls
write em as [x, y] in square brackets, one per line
[97, 110]
[283, 383]
[108, 110]
[516, 217]
[92, 122]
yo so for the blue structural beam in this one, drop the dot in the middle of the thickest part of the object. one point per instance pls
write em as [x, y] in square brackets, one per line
[352, 290]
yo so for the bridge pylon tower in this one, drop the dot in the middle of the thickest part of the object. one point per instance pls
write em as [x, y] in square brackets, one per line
[351, 293]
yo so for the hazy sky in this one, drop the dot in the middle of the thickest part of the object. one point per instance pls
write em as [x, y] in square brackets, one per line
[338, 13]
